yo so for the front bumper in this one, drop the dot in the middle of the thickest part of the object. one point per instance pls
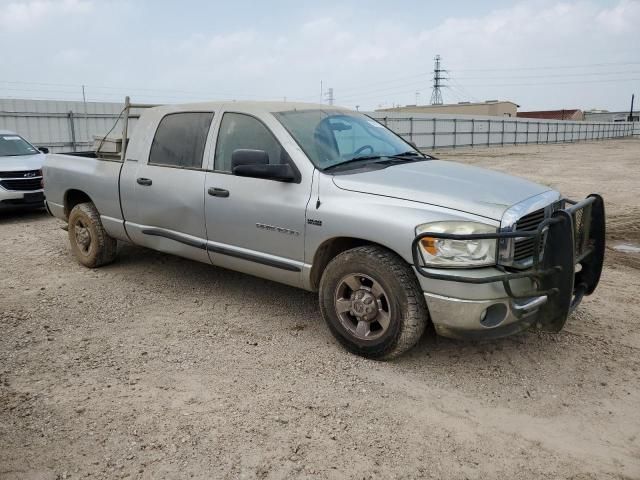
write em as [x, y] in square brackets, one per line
[482, 319]
[496, 302]
[10, 199]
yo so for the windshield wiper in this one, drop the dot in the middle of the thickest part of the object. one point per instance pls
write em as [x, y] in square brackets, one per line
[400, 157]
[355, 159]
[410, 153]
[414, 153]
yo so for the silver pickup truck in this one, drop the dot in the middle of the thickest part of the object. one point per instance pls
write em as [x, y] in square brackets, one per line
[329, 200]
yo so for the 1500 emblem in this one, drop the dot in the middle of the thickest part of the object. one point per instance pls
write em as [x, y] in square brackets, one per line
[272, 228]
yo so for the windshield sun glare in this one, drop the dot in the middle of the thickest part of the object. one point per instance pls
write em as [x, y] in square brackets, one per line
[335, 137]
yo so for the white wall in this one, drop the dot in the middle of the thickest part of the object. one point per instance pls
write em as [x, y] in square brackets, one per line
[55, 124]
[470, 131]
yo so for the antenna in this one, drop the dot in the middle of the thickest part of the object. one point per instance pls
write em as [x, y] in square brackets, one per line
[436, 95]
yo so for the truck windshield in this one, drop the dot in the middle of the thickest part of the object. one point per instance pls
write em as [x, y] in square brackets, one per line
[334, 137]
[12, 145]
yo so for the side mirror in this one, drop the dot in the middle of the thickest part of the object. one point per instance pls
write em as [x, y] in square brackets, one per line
[255, 163]
[281, 172]
[43, 149]
[245, 156]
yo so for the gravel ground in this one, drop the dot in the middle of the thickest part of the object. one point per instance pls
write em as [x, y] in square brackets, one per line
[158, 367]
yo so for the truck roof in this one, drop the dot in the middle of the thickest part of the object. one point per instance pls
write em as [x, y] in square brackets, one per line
[7, 132]
[248, 106]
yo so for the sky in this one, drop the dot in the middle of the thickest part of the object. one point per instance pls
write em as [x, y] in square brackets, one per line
[540, 54]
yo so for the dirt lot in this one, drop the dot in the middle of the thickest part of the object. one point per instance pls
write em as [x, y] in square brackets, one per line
[158, 367]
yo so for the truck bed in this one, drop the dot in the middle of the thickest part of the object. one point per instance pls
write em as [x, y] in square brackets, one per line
[67, 176]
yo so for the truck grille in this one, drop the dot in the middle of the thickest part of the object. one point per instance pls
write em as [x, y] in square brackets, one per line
[523, 247]
[28, 184]
[21, 174]
[582, 230]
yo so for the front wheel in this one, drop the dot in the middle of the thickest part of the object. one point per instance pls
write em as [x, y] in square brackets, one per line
[90, 243]
[372, 302]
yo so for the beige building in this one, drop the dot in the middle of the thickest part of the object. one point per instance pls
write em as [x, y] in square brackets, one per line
[493, 108]
[564, 114]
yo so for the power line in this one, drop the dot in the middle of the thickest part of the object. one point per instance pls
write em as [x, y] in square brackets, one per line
[581, 74]
[384, 82]
[456, 94]
[406, 91]
[612, 80]
[451, 79]
[198, 94]
[359, 89]
[382, 90]
[454, 84]
[546, 67]
[406, 84]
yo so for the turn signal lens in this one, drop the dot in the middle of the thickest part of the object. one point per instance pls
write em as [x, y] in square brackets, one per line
[429, 245]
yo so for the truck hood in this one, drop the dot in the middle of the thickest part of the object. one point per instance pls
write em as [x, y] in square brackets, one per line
[21, 162]
[445, 184]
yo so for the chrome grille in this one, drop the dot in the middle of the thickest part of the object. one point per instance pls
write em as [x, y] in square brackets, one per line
[525, 216]
[523, 247]
[28, 184]
[22, 181]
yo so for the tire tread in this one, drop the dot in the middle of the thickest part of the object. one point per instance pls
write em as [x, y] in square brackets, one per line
[107, 246]
[415, 318]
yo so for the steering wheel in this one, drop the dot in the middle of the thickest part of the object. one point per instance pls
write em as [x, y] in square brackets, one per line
[362, 149]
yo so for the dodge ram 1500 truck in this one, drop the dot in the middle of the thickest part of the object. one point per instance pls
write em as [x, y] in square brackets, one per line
[329, 200]
[20, 172]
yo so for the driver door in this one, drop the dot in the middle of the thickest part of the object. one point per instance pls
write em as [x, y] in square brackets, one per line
[255, 225]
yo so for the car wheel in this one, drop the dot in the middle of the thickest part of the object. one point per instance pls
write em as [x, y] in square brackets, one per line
[90, 243]
[372, 302]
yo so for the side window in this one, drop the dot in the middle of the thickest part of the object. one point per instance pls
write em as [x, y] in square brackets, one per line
[239, 131]
[180, 139]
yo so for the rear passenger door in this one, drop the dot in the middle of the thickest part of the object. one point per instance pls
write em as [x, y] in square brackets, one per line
[163, 195]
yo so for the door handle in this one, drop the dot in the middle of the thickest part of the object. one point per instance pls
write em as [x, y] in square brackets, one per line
[144, 181]
[218, 192]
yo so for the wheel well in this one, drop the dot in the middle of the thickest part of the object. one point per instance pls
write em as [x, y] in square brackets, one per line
[328, 250]
[73, 198]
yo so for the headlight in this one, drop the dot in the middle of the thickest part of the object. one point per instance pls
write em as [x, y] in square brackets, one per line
[438, 252]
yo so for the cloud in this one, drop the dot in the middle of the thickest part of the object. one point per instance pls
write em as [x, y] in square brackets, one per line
[621, 19]
[369, 57]
[21, 15]
[70, 56]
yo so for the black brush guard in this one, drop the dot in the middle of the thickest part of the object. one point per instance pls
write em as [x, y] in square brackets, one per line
[570, 237]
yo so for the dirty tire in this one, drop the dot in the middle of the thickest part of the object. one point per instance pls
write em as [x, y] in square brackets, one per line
[407, 310]
[90, 243]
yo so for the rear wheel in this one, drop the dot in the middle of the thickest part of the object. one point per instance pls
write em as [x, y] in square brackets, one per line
[90, 243]
[372, 302]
